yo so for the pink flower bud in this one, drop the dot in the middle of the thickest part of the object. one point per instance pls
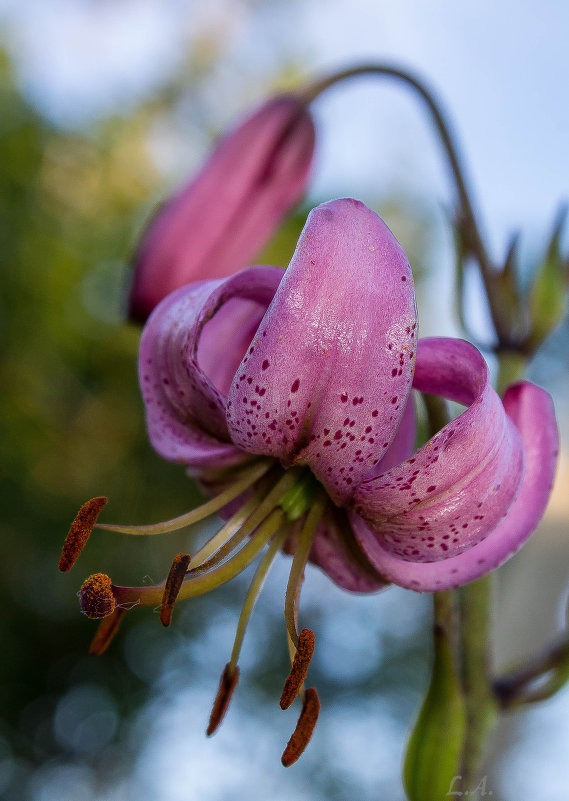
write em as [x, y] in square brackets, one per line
[217, 223]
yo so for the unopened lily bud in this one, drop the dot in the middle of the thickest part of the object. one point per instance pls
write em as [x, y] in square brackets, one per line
[548, 294]
[435, 747]
[216, 224]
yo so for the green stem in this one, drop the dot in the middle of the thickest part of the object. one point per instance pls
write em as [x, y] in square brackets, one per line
[481, 707]
[434, 753]
[437, 412]
[512, 366]
[473, 645]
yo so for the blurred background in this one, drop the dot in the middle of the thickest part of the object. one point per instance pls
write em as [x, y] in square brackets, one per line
[104, 105]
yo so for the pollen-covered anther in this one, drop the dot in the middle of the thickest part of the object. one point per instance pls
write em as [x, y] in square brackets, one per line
[79, 532]
[227, 685]
[172, 588]
[106, 630]
[299, 669]
[97, 598]
[304, 728]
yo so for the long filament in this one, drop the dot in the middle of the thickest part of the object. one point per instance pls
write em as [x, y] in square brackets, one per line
[192, 587]
[252, 474]
[299, 561]
[253, 593]
[225, 533]
[261, 511]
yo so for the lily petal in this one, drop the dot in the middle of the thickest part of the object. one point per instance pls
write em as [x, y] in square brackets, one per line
[530, 409]
[458, 486]
[336, 552]
[403, 443]
[217, 223]
[182, 376]
[328, 375]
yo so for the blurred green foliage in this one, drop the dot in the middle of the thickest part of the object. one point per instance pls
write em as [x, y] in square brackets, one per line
[71, 418]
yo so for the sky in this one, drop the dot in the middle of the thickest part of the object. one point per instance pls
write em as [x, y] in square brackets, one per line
[500, 68]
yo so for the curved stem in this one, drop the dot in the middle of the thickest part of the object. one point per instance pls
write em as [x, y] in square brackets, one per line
[476, 243]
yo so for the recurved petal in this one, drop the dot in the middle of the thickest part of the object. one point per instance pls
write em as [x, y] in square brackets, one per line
[328, 375]
[217, 223]
[531, 409]
[336, 552]
[455, 489]
[189, 350]
[403, 443]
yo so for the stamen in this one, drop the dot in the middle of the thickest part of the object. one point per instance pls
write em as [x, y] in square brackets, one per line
[227, 685]
[299, 669]
[172, 588]
[192, 587]
[97, 598]
[224, 536]
[106, 630]
[79, 532]
[252, 474]
[299, 561]
[304, 728]
[261, 510]
[253, 593]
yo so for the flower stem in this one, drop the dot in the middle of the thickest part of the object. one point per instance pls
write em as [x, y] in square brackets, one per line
[475, 643]
[433, 757]
[512, 367]
[443, 127]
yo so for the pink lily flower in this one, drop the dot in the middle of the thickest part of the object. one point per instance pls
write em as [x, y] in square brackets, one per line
[214, 225]
[289, 394]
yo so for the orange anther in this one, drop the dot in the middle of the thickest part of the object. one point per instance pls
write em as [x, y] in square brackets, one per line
[79, 532]
[304, 728]
[227, 685]
[172, 588]
[299, 669]
[107, 629]
[97, 599]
